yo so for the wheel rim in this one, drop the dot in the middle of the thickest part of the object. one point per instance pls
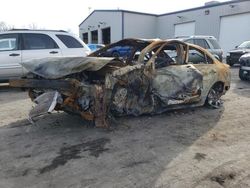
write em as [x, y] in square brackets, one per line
[213, 98]
[116, 55]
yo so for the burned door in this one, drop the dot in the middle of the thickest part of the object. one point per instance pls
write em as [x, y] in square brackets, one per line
[175, 82]
[200, 60]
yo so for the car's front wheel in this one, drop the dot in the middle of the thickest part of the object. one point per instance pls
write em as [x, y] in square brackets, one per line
[242, 75]
[116, 54]
[214, 96]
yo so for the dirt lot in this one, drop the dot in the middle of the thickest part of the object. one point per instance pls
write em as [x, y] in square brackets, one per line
[189, 148]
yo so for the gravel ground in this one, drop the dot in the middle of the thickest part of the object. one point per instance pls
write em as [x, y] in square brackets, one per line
[197, 147]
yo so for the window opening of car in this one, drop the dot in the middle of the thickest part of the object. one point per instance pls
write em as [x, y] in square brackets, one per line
[167, 54]
[8, 42]
[214, 43]
[120, 51]
[191, 41]
[196, 56]
[35, 41]
[202, 43]
[69, 41]
[126, 53]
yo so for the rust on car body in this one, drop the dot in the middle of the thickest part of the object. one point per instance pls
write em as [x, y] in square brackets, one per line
[154, 77]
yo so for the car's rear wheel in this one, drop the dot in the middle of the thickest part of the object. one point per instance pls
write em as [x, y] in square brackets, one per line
[214, 96]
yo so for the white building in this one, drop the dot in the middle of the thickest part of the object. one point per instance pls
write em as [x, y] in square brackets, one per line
[229, 22]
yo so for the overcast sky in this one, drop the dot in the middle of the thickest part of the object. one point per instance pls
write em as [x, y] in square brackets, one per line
[68, 14]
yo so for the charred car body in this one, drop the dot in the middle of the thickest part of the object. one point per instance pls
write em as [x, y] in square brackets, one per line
[155, 77]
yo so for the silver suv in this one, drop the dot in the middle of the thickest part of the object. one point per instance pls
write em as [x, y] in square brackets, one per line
[207, 42]
[21, 45]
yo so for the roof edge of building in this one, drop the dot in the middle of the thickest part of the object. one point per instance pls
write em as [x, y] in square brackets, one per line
[117, 10]
[165, 14]
[203, 7]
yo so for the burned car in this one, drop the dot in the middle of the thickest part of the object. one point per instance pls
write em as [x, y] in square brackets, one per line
[156, 76]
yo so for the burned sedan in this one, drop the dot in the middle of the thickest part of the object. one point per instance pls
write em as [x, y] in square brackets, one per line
[155, 77]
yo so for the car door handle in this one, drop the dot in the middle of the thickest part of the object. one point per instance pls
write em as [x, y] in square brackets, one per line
[14, 54]
[53, 52]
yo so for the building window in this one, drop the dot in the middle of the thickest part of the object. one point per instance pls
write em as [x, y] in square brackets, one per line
[94, 37]
[106, 35]
[85, 38]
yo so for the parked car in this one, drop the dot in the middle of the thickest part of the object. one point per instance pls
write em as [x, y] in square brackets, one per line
[118, 51]
[94, 47]
[17, 46]
[244, 71]
[209, 43]
[234, 55]
[97, 87]
[127, 50]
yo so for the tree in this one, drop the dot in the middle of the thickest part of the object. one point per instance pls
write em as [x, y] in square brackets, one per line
[33, 26]
[5, 27]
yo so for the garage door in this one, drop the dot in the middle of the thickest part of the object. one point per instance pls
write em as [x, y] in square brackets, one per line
[234, 30]
[185, 29]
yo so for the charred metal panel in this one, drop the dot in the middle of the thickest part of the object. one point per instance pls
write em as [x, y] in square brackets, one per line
[131, 93]
[178, 84]
[58, 67]
[46, 103]
[62, 85]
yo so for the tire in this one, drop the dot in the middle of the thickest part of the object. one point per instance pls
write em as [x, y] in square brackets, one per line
[115, 54]
[214, 96]
[241, 75]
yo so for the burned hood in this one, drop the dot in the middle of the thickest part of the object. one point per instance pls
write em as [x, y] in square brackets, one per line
[58, 67]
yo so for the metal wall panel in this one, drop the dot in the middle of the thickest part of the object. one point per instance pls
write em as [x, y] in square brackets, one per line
[184, 29]
[236, 33]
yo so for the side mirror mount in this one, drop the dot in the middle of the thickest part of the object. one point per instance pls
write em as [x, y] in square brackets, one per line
[236, 46]
[217, 57]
